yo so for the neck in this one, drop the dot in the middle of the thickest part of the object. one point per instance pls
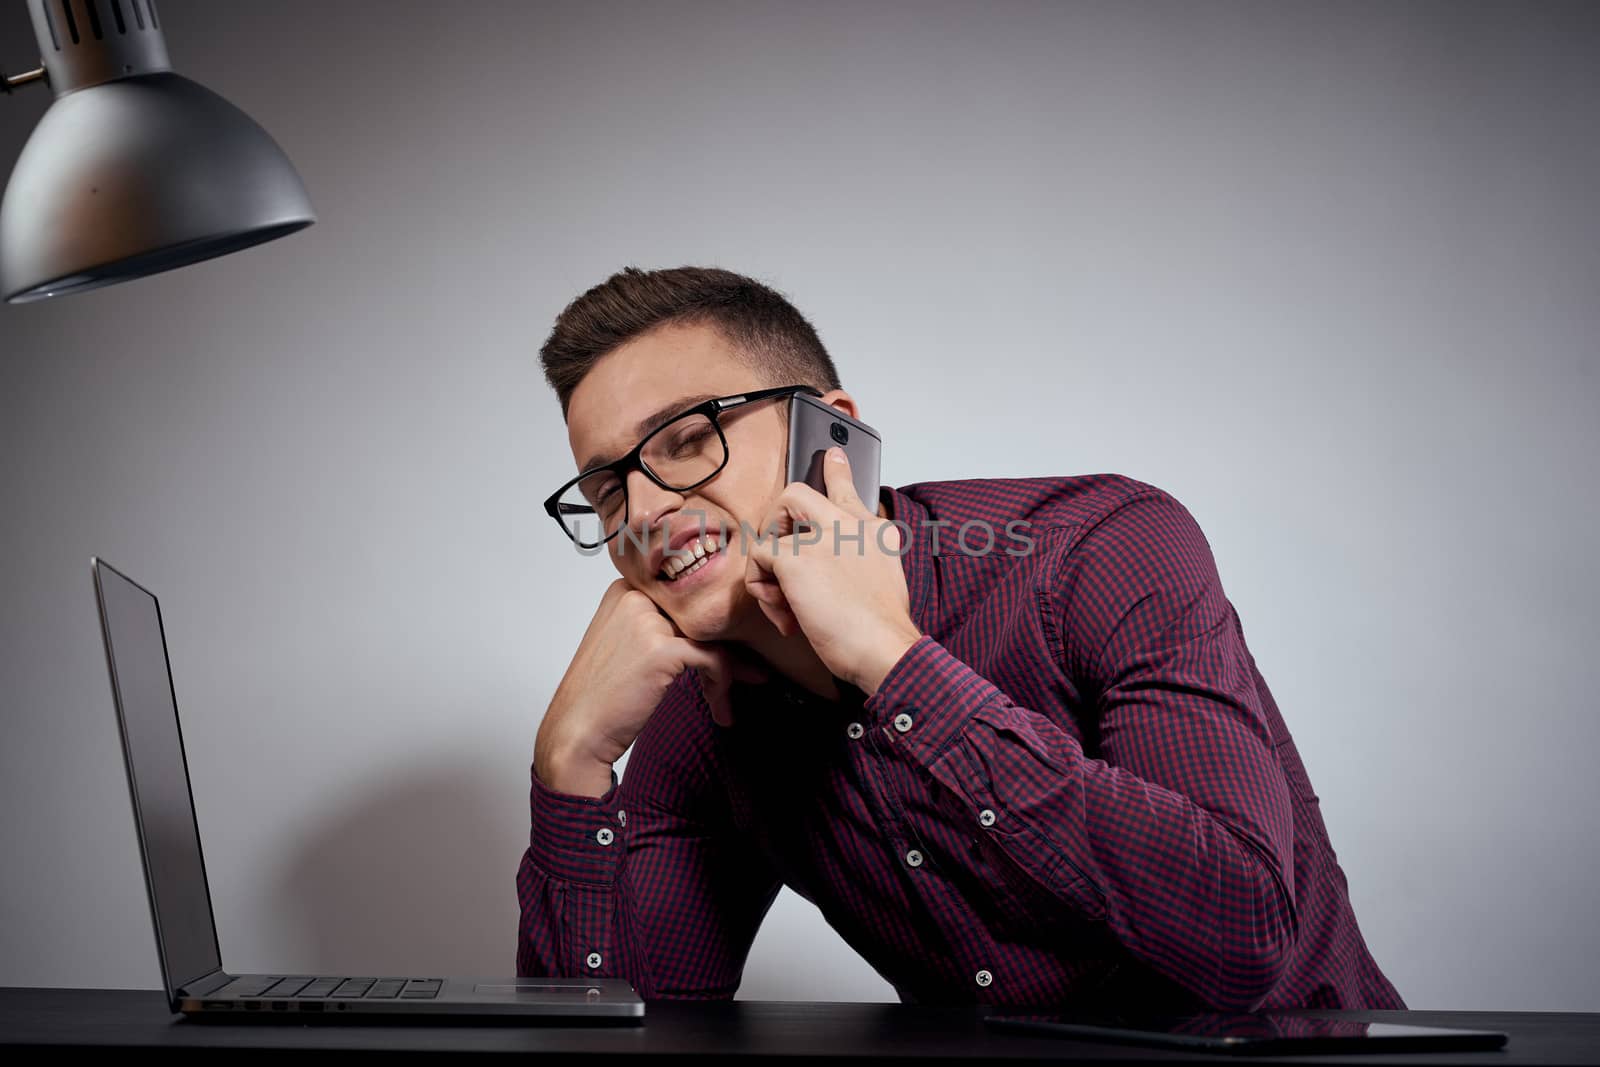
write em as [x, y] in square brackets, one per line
[792, 657]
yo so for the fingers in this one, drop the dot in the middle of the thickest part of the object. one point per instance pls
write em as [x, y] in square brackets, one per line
[837, 477]
[783, 620]
[761, 582]
[796, 503]
[711, 665]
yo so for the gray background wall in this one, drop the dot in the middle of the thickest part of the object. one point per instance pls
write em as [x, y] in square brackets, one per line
[1326, 272]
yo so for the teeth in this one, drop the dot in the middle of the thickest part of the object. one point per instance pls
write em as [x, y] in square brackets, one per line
[678, 564]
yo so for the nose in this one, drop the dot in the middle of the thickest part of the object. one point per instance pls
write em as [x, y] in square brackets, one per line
[648, 504]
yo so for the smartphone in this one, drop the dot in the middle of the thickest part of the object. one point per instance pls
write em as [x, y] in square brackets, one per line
[815, 427]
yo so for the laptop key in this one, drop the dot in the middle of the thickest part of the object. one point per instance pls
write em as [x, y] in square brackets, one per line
[288, 987]
[353, 987]
[422, 989]
[252, 987]
[320, 987]
[386, 989]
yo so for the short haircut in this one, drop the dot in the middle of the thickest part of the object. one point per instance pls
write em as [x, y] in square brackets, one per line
[759, 322]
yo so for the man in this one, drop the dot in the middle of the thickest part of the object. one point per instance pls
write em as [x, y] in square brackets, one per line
[1004, 733]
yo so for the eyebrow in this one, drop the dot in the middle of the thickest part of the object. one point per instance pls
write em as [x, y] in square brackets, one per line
[653, 420]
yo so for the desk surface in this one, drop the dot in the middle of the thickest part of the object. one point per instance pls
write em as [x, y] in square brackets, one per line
[124, 1019]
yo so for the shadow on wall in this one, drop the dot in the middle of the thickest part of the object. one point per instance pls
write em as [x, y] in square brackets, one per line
[409, 878]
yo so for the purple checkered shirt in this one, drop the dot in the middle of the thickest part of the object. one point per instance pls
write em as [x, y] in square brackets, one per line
[1074, 788]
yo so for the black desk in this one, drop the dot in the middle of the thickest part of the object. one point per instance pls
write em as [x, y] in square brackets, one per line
[101, 1019]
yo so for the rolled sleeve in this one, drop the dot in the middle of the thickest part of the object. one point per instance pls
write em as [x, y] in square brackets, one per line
[575, 838]
[935, 692]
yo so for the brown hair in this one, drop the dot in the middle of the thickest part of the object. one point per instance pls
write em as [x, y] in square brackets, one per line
[762, 326]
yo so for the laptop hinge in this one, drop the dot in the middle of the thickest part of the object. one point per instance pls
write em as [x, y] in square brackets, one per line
[208, 984]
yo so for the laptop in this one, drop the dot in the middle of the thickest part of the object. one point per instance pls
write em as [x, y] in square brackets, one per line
[180, 897]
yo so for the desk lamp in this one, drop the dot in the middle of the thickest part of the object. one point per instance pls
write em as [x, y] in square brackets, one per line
[133, 170]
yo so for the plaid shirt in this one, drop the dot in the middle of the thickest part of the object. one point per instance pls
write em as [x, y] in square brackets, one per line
[1074, 787]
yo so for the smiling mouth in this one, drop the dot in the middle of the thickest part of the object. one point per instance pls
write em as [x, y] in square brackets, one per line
[682, 566]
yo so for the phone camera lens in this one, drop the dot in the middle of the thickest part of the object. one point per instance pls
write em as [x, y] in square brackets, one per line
[840, 433]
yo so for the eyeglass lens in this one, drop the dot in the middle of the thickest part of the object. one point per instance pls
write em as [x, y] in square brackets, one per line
[683, 453]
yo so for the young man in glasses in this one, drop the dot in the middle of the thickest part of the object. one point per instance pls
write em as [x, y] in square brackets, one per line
[1004, 733]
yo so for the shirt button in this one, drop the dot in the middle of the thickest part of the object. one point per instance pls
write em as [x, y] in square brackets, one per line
[603, 835]
[622, 818]
[986, 817]
[593, 961]
[914, 858]
[855, 730]
[984, 978]
[902, 722]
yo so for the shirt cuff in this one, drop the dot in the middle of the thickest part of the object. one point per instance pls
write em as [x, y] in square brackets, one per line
[576, 838]
[927, 699]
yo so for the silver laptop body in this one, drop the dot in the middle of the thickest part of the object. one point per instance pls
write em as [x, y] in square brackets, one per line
[180, 895]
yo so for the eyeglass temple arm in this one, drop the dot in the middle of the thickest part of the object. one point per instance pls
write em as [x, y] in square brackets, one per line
[763, 394]
[723, 404]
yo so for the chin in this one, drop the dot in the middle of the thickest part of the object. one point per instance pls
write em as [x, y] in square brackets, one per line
[701, 626]
[711, 614]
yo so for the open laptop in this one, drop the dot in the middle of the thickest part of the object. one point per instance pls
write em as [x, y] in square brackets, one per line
[180, 895]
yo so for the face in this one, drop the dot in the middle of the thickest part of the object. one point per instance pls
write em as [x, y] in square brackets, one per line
[669, 367]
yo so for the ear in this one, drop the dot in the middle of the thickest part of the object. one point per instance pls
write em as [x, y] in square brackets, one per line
[842, 400]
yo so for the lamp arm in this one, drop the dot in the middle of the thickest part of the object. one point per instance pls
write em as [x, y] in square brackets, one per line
[9, 82]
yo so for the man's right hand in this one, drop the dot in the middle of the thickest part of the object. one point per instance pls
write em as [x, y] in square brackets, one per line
[629, 656]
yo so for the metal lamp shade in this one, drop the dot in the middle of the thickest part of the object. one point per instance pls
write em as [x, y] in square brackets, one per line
[140, 175]
[133, 169]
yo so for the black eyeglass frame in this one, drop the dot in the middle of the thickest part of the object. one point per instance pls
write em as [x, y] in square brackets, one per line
[624, 465]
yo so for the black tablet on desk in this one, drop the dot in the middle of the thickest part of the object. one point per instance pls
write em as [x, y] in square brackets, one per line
[1262, 1033]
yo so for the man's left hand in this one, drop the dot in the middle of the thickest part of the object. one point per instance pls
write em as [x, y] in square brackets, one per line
[828, 566]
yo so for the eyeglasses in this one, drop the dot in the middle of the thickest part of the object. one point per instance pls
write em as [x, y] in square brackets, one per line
[684, 452]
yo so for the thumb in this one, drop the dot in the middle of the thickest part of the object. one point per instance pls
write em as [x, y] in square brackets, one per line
[840, 481]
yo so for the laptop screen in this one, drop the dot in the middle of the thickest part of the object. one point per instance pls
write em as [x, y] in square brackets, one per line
[186, 933]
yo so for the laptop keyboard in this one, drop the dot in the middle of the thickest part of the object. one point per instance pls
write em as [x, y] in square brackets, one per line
[279, 988]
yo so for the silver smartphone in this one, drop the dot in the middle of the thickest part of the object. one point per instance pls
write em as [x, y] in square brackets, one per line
[814, 427]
